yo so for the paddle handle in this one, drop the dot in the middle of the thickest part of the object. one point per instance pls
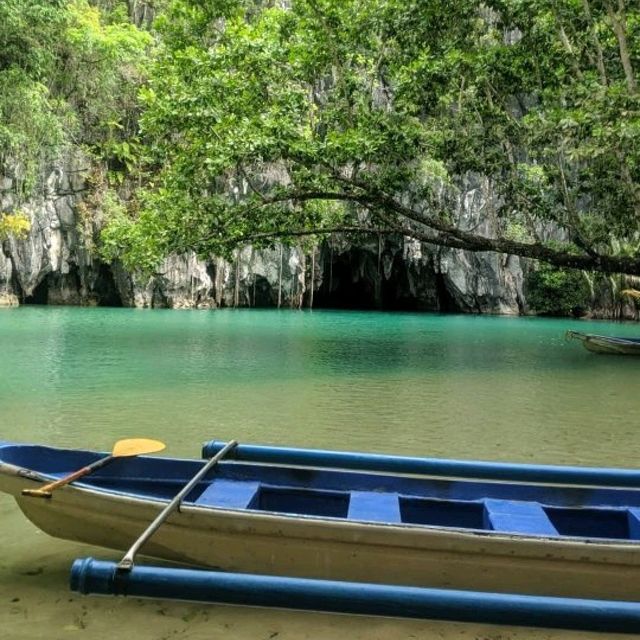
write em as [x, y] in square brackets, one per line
[47, 490]
[126, 564]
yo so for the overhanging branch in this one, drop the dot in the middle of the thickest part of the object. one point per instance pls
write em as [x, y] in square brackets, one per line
[431, 229]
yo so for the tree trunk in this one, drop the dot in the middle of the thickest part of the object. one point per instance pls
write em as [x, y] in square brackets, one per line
[596, 42]
[619, 24]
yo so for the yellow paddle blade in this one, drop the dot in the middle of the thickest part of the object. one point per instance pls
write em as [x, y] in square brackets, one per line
[136, 447]
[631, 292]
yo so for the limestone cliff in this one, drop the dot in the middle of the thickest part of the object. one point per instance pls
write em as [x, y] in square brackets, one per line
[57, 264]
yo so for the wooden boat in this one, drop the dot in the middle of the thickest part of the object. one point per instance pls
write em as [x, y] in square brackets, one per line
[607, 344]
[554, 531]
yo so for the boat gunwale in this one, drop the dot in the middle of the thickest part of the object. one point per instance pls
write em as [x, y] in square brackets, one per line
[597, 336]
[629, 478]
[30, 474]
[613, 345]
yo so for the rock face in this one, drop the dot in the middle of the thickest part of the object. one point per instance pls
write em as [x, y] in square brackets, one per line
[57, 264]
[402, 273]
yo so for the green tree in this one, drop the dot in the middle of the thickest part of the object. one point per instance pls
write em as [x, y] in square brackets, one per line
[557, 292]
[266, 122]
[101, 71]
[32, 121]
[69, 74]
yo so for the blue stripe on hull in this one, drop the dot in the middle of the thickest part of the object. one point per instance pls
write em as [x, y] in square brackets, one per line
[513, 507]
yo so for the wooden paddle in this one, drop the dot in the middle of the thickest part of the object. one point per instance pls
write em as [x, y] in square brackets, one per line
[121, 449]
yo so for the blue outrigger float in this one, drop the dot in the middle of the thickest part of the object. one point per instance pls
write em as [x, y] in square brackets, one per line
[360, 533]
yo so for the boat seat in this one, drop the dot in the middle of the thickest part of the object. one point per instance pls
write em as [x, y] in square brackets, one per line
[228, 494]
[511, 516]
[373, 506]
[634, 523]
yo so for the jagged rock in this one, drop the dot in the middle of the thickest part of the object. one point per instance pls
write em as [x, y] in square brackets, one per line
[8, 300]
[57, 264]
[266, 278]
[45, 266]
[183, 282]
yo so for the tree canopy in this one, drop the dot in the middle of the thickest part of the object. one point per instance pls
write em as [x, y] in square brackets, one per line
[69, 74]
[269, 120]
[255, 121]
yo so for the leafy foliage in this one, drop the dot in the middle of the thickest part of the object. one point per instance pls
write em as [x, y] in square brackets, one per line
[33, 126]
[29, 30]
[254, 111]
[69, 73]
[102, 71]
[15, 224]
[557, 292]
[254, 120]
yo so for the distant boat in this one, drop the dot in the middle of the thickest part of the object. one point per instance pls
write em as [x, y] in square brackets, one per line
[510, 528]
[607, 344]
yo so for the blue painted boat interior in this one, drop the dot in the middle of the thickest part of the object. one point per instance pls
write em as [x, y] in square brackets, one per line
[476, 505]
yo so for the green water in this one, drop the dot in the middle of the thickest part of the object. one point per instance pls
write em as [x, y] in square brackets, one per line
[459, 386]
[448, 386]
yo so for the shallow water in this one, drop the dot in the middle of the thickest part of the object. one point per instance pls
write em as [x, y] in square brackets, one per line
[448, 386]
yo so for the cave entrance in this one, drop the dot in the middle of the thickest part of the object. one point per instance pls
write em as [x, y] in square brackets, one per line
[362, 279]
[67, 289]
[40, 295]
[446, 303]
[105, 288]
[261, 294]
[350, 281]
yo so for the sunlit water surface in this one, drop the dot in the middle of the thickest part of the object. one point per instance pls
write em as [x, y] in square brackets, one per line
[446, 386]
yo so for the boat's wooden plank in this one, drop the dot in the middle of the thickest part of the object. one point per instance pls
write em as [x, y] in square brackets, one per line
[229, 494]
[373, 506]
[519, 517]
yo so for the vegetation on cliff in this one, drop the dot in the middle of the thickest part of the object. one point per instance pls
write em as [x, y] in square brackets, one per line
[363, 115]
[70, 72]
[260, 121]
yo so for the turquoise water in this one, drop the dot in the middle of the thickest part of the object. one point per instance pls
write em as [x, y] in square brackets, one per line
[449, 386]
[457, 386]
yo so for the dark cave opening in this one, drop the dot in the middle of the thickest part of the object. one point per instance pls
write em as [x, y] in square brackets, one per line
[350, 281]
[366, 279]
[356, 280]
[105, 288]
[395, 291]
[67, 289]
[40, 295]
[446, 303]
[261, 294]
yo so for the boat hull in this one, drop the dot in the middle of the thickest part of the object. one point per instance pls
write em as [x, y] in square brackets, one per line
[606, 344]
[325, 548]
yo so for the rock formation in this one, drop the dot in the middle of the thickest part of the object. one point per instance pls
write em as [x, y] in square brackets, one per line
[57, 264]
